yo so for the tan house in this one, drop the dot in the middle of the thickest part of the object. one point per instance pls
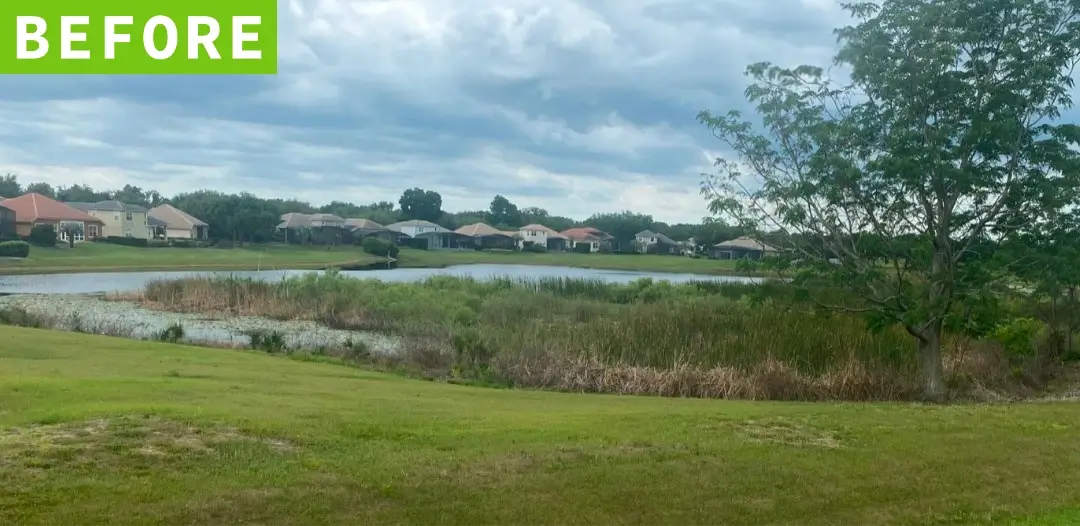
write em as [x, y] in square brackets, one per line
[35, 209]
[593, 237]
[178, 224]
[648, 241]
[541, 235]
[119, 219]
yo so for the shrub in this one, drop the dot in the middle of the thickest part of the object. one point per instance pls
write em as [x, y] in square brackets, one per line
[42, 236]
[533, 247]
[1020, 337]
[272, 342]
[14, 249]
[379, 247]
[125, 241]
[157, 243]
[172, 334]
[181, 243]
[224, 243]
[417, 243]
[583, 248]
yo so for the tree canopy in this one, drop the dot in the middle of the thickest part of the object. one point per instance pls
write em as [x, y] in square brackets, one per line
[417, 203]
[945, 141]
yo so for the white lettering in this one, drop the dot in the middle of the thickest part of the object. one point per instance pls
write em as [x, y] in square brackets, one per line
[112, 37]
[171, 39]
[24, 36]
[206, 41]
[239, 37]
[68, 35]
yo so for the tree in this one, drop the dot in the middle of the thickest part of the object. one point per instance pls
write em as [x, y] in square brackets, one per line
[42, 188]
[945, 135]
[137, 196]
[417, 203]
[623, 226]
[503, 213]
[80, 193]
[9, 186]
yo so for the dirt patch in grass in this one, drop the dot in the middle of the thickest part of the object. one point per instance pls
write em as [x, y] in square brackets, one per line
[786, 432]
[106, 442]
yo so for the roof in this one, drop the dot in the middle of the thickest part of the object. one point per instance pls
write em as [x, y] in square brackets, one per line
[107, 206]
[153, 221]
[363, 224]
[36, 207]
[481, 230]
[174, 217]
[747, 243]
[416, 222]
[326, 218]
[587, 233]
[660, 237]
[295, 220]
[541, 228]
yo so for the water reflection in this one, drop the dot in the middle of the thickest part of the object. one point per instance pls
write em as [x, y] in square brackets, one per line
[92, 283]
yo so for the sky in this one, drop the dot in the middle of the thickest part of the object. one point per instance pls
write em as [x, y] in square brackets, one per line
[575, 106]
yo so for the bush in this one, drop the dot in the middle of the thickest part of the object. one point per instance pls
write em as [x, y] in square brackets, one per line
[224, 243]
[125, 241]
[417, 243]
[583, 248]
[157, 243]
[379, 247]
[14, 249]
[172, 334]
[182, 243]
[533, 247]
[42, 236]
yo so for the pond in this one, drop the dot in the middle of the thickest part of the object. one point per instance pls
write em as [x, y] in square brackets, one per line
[103, 282]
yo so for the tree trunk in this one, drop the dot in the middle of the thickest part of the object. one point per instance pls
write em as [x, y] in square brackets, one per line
[933, 372]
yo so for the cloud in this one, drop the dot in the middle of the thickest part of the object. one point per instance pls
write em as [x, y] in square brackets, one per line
[571, 105]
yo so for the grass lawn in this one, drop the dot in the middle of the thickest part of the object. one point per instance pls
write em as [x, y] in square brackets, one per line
[443, 258]
[105, 257]
[96, 430]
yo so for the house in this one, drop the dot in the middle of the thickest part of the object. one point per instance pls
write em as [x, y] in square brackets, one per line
[369, 228]
[34, 209]
[594, 237]
[541, 235]
[651, 242]
[7, 223]
[178, 223]
[435, 236]
[120, 219]
[487, 236]
[742, 248]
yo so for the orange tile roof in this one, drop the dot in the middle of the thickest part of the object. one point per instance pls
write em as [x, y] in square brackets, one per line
[32, 207]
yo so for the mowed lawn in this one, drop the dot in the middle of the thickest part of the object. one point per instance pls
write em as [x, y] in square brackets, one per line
[95, 430]
[104, 257]
[643, 262]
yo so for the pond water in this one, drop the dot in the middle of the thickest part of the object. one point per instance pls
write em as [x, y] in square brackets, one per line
[93, 282]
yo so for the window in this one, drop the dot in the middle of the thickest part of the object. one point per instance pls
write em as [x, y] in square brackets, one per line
[116, 217]
[91, 231]
[129, 233]
[128, 216]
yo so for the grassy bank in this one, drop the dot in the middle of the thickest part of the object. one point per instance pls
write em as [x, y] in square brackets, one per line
[701, 339]
[98, 430]
[642, 262]
[104, 257]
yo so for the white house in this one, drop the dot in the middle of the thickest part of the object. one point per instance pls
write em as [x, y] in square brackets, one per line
[543, 236]
[437, 236]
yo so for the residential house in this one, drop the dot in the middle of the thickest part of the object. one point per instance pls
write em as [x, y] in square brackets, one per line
[120, 219]
[484, 235]
[369, 228]
[541, 235]
[594, 237]
[34, 209]
[435, 236]
[321, 228]
[178, 223]
[742, 248]
[7, 223]
[651, 242]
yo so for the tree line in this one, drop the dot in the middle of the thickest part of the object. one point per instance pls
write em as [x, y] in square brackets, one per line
[245, 217]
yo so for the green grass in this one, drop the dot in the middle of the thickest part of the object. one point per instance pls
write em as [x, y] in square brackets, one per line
[104, 431]
[644, 262]
[105, 257]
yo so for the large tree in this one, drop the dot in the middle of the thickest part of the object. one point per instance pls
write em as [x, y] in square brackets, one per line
[42, 188]
[946, 136]
[503, 213]
[417, 203]
[9, 186]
